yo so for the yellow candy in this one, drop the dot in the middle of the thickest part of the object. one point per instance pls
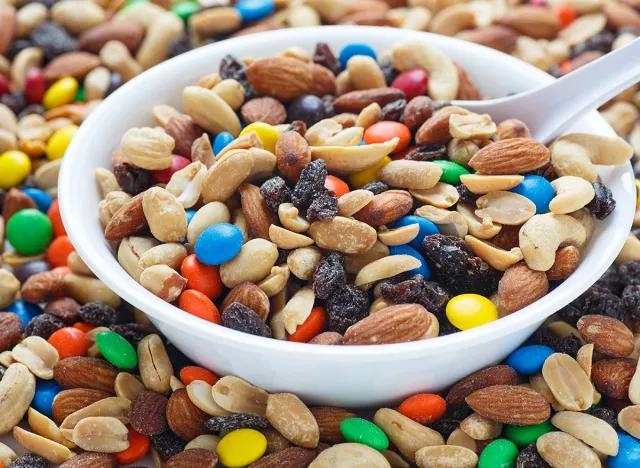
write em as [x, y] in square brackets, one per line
[267, 134]
[362, 178]
[57, 144]
[60, 93]
[638, 192]
[471, 310]
[241, 448]
[15, 166]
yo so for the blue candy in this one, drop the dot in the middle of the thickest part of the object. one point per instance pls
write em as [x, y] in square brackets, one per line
[46, 391]
[427, 228]
[221, 141]
[628, 453]
[218, 244]
[407, 250]
[190, 215]
[25, 310]
[538, 190]
[355, 49]
[254, 10]
[529, 359]
[42, 200]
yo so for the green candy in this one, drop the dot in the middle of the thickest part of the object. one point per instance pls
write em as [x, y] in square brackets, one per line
[500, 453]
[361, 431]
[80, 97]
[451, 172]
[29, 231]
[525, 435]
[185, 9]
[131, 3]
[117, 350]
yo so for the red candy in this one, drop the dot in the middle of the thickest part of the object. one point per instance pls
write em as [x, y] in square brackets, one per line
[4, 85]
[388, 130]
[83, 326]
[338, 186]
[59, 251]
[190, 373]
[35, 85]
[69, 342]
[423, 408]
[138, 447]
[412, 82]
[164, 176]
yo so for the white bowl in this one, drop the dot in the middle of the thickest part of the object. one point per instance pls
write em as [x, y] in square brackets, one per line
[336, 375]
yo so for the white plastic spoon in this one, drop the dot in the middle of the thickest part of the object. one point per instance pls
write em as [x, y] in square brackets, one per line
[549, 110]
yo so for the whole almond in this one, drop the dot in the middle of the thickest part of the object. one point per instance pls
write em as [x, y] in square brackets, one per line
[250, 295]
[418, 110]
[329, 419]
[289, 457]
[355, 101]
[185, 418]
[85, 372]
[202, 458]
[323, 81]
[611, 337]
[567, 259]
[74, 64]
[496, 375]
[280, 77]
[264, 109]
[128, 220]
[291, 418]
[258, 216]
[467, 90]
[521, 286]
[15, 201]
[184, 131]
[148, 413]
[620, 15]
[385, 208]
[10, 330]
[394, 324]
[533, 21]
[613, 376]
[68, 402]
[497, 37]
[91, 460]
[327, 338]
[8, 20]
[512, 156]
[510, 404]
[568, 382]
[127, 32]
[435, 130]
[292, 154]
[42, 287]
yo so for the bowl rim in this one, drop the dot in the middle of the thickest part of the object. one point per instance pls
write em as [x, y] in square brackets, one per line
[166, 312]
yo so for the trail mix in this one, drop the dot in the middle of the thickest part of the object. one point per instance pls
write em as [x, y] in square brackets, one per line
[376, 216]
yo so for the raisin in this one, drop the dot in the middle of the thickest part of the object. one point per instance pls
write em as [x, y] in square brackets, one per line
[29, 182]
[2, 371]
[466, 195]
[275, 192]
[98, 313]
[603, 203]
[178, 359]
[629, 272]
[241, 318]
[594, 301]
[570, 345]
[133, 332]
[43, 325]
[606, 414]
[26, 270]
[114, 83]
[3, 196]
[31, 109]
[434, 297]
[309, 109]
[324, 56]
[631, 301]
[282, 256]
[53, 40]
[15, 101]
[530, 458]
[329, 275]
[570, 314]
[393, 111]
[601, 42]
[427, 153]
[236, 421]
[231, 68]
[179, 45]
[311, 183]
[346, 306]
[323, 207]
[168, 443]
[445, 426]
[403, 292]
[388, 71]
[459, 412]
[545, 171]
[16, 47]
[30, 460]
[453, 263]
[132, 179]
[376, 187]
[327, 102]
[611, 281]
[446, 327]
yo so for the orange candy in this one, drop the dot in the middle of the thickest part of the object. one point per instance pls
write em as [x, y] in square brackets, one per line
[70, 342]
[196, 303]
[566, 67]
[314, 325]
[84, 326]
[56, 220]
[566, 14]
[423, 408]
[138, 447]
[339, 186]
[388, 130]
[190, 373]
[59, 251]
[201, 277]
[61, 270]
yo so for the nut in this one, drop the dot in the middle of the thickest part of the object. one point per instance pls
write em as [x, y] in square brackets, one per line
[258, 216]
[210, 111]
[521, 286]
[101, 434]
[369, 115]
[171, 254]
[51, 451]
[568, 382]
[111, 204]
[296, 311]
[165, 215]
[68, 402]
[238, 396]
[385, 208]
[496, 375]
[280, 77]
[148, 413]
[264, 109]
[480, 428]
[532, 21]
[446, 455]
[290, 219]
[163, 281]
[385, 268]
[45, 427]
[201, 151]
[495, 36]
[38, 355]
[289, 455]
[185, 418]
[223, 178]
[410, 174]
[450, 223]
[572, 193]
[351, 159]
[436, 130]
[251, 296]
[149, 148]
[511, 156]
[113, 407]
[611, 337]
[212, 213]
[452, 19]
[510, 404]
[17, 388]
[558, 448]
[589, 429]
[629, 420]
[200, 394]
[352, 202]
[130, 251]
[129, 33]
[356, 101]
[440, 195]
[613, 376]
[158, 38]
[231, 92]
[480, 228]
[512, 128]
[494, 256]
[9, 287]
[291, 418]
[252, 264]
[193, 457]
[345, 235]
[276, 281]
[127, 386]
[328, 419]
[353, 454]
[471, 126]
[395, 324]
[42, 287]
[365, 73]
[184, 131]
[292, 154]
[399, 236]
[155, 367]
[482, 184]
[507, 208]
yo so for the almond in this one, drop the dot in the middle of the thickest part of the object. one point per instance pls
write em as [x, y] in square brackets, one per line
[184, 131]
[496, 375]
[128, 220]
[289, 457]
[280, 77]
[256, 213]
[250, 295]
[10, 330]
[496, 37]
[69, 401]
[200, 457]
[329, 419]
[292, 154]
[394, 324]
[512, 156]
[533, 21]
[14, 202]
[75, 64]
[42, 287]
[613, 376]
[8, 22]
[355, 101]
[510, 404]
[323, 81]
[91, 460]
[435, 130]
[85, 372]
[418, 110]
[467, 90]
[264, 109]
[567, 259]
[127, 32]
[521, 286]
[148, 413]
[621, 16]
[610, 337]
[185, 418]
[385, 208]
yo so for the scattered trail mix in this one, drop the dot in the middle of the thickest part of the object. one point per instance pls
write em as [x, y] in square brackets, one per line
[271, 230]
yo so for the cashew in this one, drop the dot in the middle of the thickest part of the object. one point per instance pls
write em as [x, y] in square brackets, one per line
[385, 268]
[417, 18]
[351, 159]
[572, 193]
[541, 236]
[290, 219]
[507, 208]
[443, 75]
[482, 184]
[450, 223]
[452, 20]
[441, 195]
[575, 154]
[496, 257]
